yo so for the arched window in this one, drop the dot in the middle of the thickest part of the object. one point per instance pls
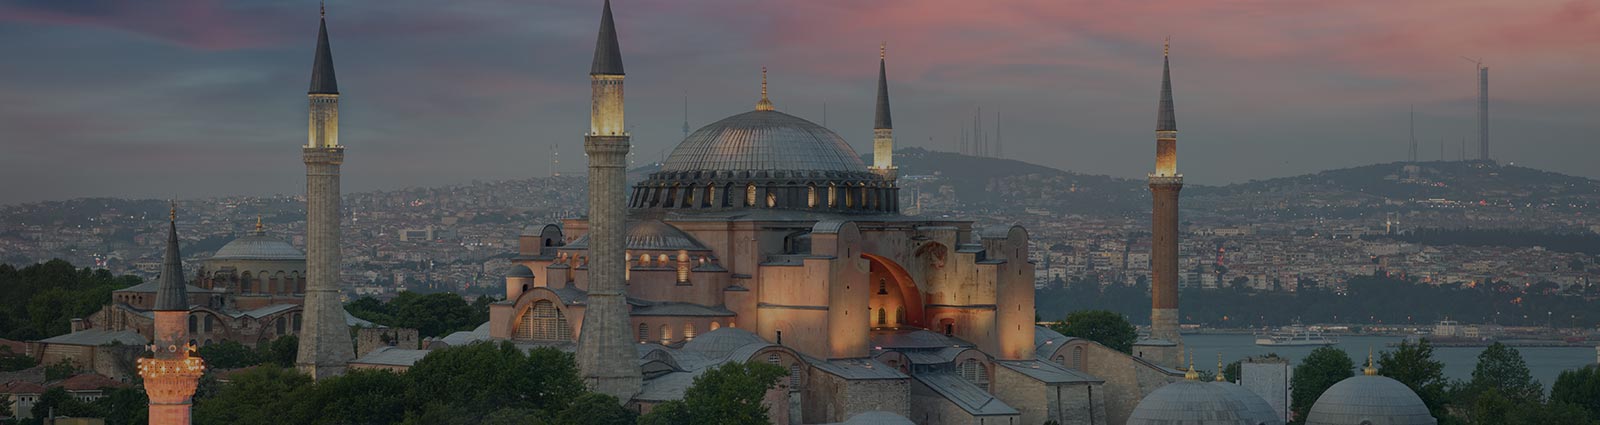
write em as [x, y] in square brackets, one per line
[297, 322]
[750, 195]
[883, 286]
[208, 341]
[688, 331]
[194, 323]
[282, 326]
[688, 196]
[883, 317]
[811, 196]
[208, 323]
[833, 195]
[543, 322]
[666, 334]
[662, 260]
[794, 377]
[644, 333]
[974, 372]
[773, 358]
[672, 197]
[772, 200]
[644, 260]
[711, 195]
[900, 315]
[1077, 358]
[715, 326]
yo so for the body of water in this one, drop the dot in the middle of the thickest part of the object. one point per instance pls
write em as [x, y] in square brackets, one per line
[1544, 363]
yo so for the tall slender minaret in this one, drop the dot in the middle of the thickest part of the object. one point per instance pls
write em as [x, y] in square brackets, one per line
[325, 346]
[883, 125]
[607, 358]
[1165, 345]
[172, 372]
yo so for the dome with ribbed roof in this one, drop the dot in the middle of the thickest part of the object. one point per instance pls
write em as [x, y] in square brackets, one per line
[764, 141]
[1371, 400]
[650, 235]
[1191, 402]
[258, 246]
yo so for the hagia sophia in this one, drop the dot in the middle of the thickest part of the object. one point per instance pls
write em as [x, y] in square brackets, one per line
[763, 237]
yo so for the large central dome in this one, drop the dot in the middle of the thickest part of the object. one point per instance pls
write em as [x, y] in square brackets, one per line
[764, 141]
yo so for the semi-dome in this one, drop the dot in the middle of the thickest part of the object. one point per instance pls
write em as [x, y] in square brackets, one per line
[764, 140]
[1369, 400]
[258, 246]
[520, 271]
[1194, 403]
[653, 235]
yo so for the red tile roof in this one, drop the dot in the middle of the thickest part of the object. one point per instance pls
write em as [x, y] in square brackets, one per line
[21, 387]
[89, 382]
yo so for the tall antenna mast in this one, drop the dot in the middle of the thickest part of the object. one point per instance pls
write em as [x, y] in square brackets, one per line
[1483, 107]
[1412, 156]
[999, 143]
[686, 116]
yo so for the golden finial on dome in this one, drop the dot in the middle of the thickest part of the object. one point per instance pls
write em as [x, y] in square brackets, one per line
[258, 223]
[1369, 370]
[1191, 375]
[765, 104]
[1220, 378]
[1166, 47]
[883, 47]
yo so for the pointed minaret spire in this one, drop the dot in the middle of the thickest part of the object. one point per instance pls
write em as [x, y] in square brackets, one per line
[883, 125]
[607, 52]
[1165, 121]
[171, 293]
[322, 78]
[765, 104]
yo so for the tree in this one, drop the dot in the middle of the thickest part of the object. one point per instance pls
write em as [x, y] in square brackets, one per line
[60, 370]
[1102, 326]
[1579, 387]
[729, 394]
[1501, 368]
[1413, 365]
[228, 355]
[38, 301]
[281, 351]
[257, 396]
[482, 377]
[595, 409]
[10, 361]
[360, 396]
[1231, 372]
[56, 400]
[124, 406]
[431, 315]
[1321, 369]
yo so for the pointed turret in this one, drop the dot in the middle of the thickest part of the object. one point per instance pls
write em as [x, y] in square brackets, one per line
[171, 293]
[1165, 120]
[882, 119]
[765, 104]
[322, 78]
[607, 53]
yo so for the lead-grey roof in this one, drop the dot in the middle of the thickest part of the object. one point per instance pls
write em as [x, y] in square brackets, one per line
[877, 417]
[322, 78]
[975, 401]
[1190, 403]
[650, 235]
[258, 246]
[170, 292]
[392, 356]
[1257, 410]
[97, 337]
[1378, 399]
[678, 309]
[1050, 373]
[607, 52]
[764, 141]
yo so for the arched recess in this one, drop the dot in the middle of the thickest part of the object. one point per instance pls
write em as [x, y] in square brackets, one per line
[541, 321]
[900, 292]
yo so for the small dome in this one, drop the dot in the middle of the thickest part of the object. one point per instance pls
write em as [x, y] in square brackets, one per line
[653, 235]
[1192, 403]
[1258, 410]
[258, 246]
[520, 271]
[1369, 400]
[764, 141]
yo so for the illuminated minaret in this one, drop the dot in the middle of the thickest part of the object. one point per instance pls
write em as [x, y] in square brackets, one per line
[325, 346]
[1165, 345]
[883, 125]
[607, 357]
[171, 372]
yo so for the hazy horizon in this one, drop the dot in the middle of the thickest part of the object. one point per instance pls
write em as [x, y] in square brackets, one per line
[201, 98]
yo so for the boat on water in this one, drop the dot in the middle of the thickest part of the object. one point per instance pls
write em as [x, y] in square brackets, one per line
[1295, 335]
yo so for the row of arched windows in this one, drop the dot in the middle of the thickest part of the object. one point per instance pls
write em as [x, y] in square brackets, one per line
[665, 332]
[263, 282]
[858, 196]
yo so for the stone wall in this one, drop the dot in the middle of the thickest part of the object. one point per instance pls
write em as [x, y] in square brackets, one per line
[829, 398]
[368, 339]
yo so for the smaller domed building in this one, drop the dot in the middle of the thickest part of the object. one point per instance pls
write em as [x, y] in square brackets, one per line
[1369, 399]
[1192, 402]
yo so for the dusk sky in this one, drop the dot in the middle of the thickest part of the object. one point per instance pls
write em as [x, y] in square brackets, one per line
[194, 98]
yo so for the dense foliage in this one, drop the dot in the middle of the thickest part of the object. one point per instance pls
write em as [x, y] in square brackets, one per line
[477, 383]
[1321, 369]
[1579, 387]
[233, 355]
[729, 394]
[1413, 364]
[1365, 299]
[39, 301]
[121, 406]
[436, 314]
[1102, 326]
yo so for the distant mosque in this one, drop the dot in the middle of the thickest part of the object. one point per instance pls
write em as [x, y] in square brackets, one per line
[763, 238]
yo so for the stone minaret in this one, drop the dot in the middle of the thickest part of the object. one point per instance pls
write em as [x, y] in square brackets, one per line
[883, 126]
[1165, 345]
[172, 372]
[325, 346]
[607, 358]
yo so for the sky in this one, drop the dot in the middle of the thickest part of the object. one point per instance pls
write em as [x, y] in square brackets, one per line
[198, 98]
